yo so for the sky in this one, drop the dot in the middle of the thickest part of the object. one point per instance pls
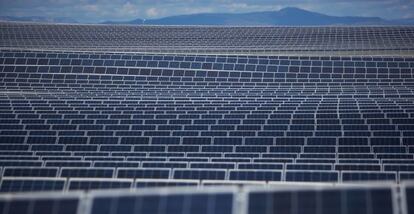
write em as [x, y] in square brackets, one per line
[94, 11]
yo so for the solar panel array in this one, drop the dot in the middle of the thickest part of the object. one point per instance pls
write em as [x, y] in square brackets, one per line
[82, 108]
[210, 39]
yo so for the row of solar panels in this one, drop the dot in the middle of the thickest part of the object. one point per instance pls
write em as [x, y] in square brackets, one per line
[191, 69]
[207, 128]
[230, 114]
[14, 167]
[249, 103]
[300, 145]
[91, 83]
[204, 124]
[114, 159]
[226, 113]
[245, 131]
[373, 124]
[202, 129]
[21, 90]
[234, 112]
[237, 112]
[42, 184]
[235, 109]
[240, 59]
[216, 63]
[265, 104]
[342, 165]
[197, 88]
[217, 171]
[354, 156]
[225, 145]
[63, 158]
[164, 78]
[81, 74]
[208, 63]
[229, 50]
[245, 39]
[217, 50]
[293, 199]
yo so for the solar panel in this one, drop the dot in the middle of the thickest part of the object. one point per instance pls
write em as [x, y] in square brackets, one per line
[30, 172]
[199, 174]
[368, 176]
[143, 183]
[50, 203]
[255, 175]
[87, 172]
[93, 184]
[31, 184]
[144, 173]
[325, 200]
[311, 176]
[167, 202]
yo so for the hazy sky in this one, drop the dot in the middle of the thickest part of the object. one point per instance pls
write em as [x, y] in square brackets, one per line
[102, 10]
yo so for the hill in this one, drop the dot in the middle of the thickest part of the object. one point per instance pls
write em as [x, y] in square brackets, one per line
[288, 16]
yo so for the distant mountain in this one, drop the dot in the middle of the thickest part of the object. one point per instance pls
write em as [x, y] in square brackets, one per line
[38, 19]
[288, 16]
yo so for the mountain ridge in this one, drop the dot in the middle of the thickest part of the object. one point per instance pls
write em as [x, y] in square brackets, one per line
[289, 16]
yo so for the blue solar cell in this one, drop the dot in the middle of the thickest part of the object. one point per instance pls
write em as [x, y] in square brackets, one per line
[199, 174]
[30, 172]
[98, 184]
[368, 176]
[261, 175]
[144, 173]
[312, 176]
[87, 173]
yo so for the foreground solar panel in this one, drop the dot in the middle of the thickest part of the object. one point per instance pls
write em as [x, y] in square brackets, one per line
[326, 200]
[203, 202]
